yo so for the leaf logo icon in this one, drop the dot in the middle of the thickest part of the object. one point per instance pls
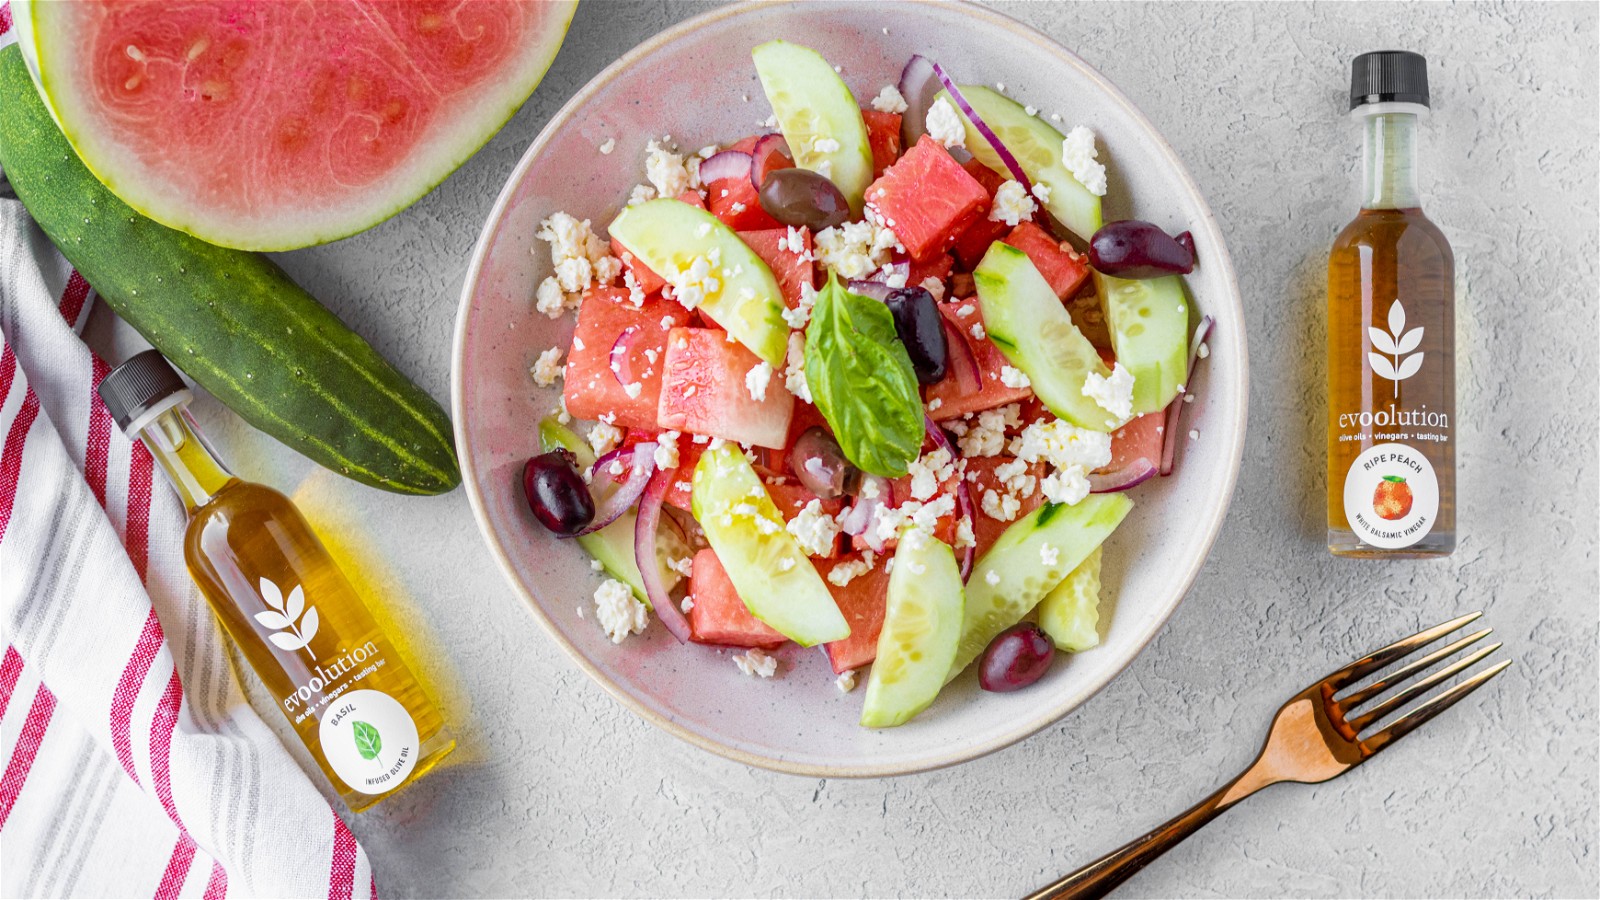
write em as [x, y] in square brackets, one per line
[290, 629]
[1394, 358]
[368, 742]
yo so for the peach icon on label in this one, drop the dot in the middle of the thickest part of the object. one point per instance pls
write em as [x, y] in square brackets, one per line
[1392, 499]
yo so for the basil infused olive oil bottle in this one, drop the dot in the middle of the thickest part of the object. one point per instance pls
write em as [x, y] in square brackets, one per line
[355, 703]
[1391, 338]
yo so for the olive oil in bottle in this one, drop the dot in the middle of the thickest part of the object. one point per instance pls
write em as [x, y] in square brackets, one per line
[332, 671]
[1391, 338]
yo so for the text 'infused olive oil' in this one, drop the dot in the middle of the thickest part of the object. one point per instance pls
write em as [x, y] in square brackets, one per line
[357, 706]
[1391, 338]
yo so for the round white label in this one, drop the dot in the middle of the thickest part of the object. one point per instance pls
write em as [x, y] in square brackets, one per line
[370, 741]
[1391, 496]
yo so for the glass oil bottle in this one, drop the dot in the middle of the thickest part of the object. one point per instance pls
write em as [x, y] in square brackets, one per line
[1391, 338]
[357, 706]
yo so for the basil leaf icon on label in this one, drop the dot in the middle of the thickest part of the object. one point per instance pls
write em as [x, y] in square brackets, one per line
[861, 378]
[368, 741]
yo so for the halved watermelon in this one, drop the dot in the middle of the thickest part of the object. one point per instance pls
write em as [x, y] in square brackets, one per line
[992, 392]
[718, 615]
[862, 601]
[791, 269]
[591, 386]
[927, 199]
[271, 126]
[704, 390]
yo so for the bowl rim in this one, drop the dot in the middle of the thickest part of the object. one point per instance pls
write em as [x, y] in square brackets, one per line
[1045, 716]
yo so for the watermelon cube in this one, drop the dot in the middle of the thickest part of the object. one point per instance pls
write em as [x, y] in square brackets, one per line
[937, 267]
[718, 615]
[989, 178]
[631, 391]
[927, 199]
[648, 281]
[704, 391]
[678, 493]
[793, 270]
[883, 136]
[734, 201]
[692, 198]
[981, 477]
[862, 601]
[1063, 267]
[992, 392]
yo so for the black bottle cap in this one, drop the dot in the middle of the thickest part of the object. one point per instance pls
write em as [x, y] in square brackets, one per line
[138, 386]
[1389, 76]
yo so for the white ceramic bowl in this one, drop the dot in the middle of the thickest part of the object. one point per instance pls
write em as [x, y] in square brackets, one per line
[691, 82]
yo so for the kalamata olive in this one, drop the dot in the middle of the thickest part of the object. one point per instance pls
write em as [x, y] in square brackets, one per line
[820, 464]
[556, 492]
[1016, 658]
[803, 197]
[1135, 249]
[921, 329]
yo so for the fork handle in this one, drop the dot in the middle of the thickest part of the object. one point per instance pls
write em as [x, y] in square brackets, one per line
[1104, 874]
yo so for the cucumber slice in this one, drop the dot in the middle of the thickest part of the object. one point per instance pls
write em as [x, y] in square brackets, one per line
[1037, 147]
[613, 544]
[921, 627]
[812, 105]
[1021, 568]
[778, 584]
[1149, 324]
[1027, 322]
[1070, 614]
[670, 237]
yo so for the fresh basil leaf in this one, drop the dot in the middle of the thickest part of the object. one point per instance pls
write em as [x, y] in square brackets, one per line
[861, 379]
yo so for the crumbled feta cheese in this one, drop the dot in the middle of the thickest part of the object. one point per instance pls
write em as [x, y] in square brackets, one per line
[934, 286]
[633, 389]
[1194, 435]
[604, 437]
[683, 565]
[801, 314]
[666, 455]
[1113, 394]
[1069, 485]
[687, 603]
[978, 332]
[855, 249]
[846, 682]
[618, 612]
[889, 100]
[1012, 377]
[1082, 160]
[930, 471]
[665, 170]
[549, 298]
[964, 535]
[609, 145]
[596, 565]
[794, 367]
[825, 145]
[641, 193]
[548, 368]
[991, 577]
[756, 662]
[693, 285]
[935, 403]
[562, 415]
[1041, 191]
[1062, 444]
[1031, 110]
[988, 436]
[1049, 555]
[1012, 205]
[581, 259]
[1000, 507]
[1204, 350]
[757, 379]
[944, 124]
[814, 530]
[845, 572]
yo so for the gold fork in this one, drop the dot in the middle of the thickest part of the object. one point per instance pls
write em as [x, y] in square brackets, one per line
[1314, 738]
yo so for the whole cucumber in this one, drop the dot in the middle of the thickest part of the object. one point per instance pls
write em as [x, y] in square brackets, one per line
[230, 319]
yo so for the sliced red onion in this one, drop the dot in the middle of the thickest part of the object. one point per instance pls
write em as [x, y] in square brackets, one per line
[983, 129]
[644, 554]
[1134, 473]
[964, 506]
[622, 356]
[613, 498]
[819, 464]
[1169, 446]
[918, 85]
[961, 365]
[727, 164]
[867, 287]
[761, 161]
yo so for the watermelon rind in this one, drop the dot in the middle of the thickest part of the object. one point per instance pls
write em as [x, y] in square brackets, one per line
[48, 33]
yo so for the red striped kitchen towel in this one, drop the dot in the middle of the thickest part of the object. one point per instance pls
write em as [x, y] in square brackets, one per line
[133, 765]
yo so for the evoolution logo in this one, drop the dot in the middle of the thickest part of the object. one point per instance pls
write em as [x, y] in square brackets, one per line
[1398, 344]
[290, 630]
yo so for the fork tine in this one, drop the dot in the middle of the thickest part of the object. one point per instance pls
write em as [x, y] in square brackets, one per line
[1365, 666]
[1357, 698]
[1430, 708]
[1365, 720]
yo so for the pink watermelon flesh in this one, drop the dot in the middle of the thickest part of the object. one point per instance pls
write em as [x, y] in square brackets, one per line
[270, 126]
[703, 391]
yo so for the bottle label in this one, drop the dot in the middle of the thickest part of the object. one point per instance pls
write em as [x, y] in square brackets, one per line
[370, 741]
[1391, 496]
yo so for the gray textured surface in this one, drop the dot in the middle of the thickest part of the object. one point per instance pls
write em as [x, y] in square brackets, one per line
[562, 792]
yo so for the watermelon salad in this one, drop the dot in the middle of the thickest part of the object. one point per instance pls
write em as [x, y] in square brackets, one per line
[849, 383]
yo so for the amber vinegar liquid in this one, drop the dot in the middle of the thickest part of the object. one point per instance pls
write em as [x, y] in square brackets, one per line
[358, 707]
[1391, 363]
